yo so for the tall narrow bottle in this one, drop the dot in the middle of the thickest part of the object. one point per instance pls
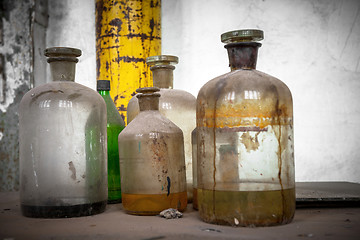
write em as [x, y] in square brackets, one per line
[177, 105]
[115, 124]
[152, 161]
[245, 142]
[63, 144]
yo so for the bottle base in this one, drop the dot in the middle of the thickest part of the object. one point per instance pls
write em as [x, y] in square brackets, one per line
[247, 208]
[114, 195]
[114, 201]
[63, 211]
[153, 204]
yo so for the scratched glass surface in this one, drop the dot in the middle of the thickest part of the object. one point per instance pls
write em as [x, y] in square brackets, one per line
[177, 105]
[152, 161]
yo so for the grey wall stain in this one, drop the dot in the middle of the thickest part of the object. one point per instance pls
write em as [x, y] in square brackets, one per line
[16, 47]
[6, 6]
[9, 147]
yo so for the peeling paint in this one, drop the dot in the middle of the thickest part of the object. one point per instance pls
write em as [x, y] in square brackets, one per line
[122, 108]
[127, 32]
[128, 59]
[116, 22]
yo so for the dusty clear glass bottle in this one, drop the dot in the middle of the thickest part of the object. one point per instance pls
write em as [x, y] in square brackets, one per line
[245, 142]
[152, 162]
[63, 158]
[115, 124]
[177, 105]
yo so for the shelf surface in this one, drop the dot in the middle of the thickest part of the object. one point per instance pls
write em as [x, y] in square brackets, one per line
[327, 194]
[309, 223]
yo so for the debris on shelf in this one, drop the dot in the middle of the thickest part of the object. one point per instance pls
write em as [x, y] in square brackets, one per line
[171, 213]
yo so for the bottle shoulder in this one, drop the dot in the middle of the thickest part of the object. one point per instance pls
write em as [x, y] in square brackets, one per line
[62, 92]
[177, 93]
[147, 122]
[243, 94]
[177, 97]
[65, 88]
[173, 103]
[245, 82]
[113, 115]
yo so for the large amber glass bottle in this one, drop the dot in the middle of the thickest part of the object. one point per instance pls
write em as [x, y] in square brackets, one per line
[152, 162]
[245, 142]
[63, 144]
[177, 105]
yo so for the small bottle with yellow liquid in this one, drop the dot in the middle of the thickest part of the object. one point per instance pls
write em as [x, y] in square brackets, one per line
[177, 105]
[244, 136]
[152, 161]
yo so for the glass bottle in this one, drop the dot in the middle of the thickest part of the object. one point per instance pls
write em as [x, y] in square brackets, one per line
[245, 142]
[177, 105]
[63, 144]
[194, 173]
[115, 124]
[152, 162]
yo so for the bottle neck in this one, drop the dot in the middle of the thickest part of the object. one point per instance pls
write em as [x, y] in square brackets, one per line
[63, 70]
[242, 55]
[104, 92]
[163, 76]
[147, 103]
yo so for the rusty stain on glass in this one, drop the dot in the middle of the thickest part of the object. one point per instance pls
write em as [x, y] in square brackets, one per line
[245, 149]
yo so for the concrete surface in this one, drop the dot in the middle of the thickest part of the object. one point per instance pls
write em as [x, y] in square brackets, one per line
[336, 223]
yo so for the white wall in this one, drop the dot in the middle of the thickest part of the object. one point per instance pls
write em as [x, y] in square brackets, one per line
[313, 46]
[72, 24]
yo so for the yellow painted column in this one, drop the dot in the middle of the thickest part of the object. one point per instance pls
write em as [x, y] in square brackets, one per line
[127, 32]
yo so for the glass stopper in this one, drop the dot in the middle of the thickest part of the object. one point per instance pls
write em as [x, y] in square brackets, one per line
[162, 60]
[62, 54]
[62, 51]
[245, 35]
[148, 90]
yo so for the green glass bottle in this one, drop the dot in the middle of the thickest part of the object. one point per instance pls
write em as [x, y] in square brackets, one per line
[115, 124]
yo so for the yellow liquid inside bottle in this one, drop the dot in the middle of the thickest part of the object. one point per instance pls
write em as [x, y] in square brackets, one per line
[153, 204]
[247, 208]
